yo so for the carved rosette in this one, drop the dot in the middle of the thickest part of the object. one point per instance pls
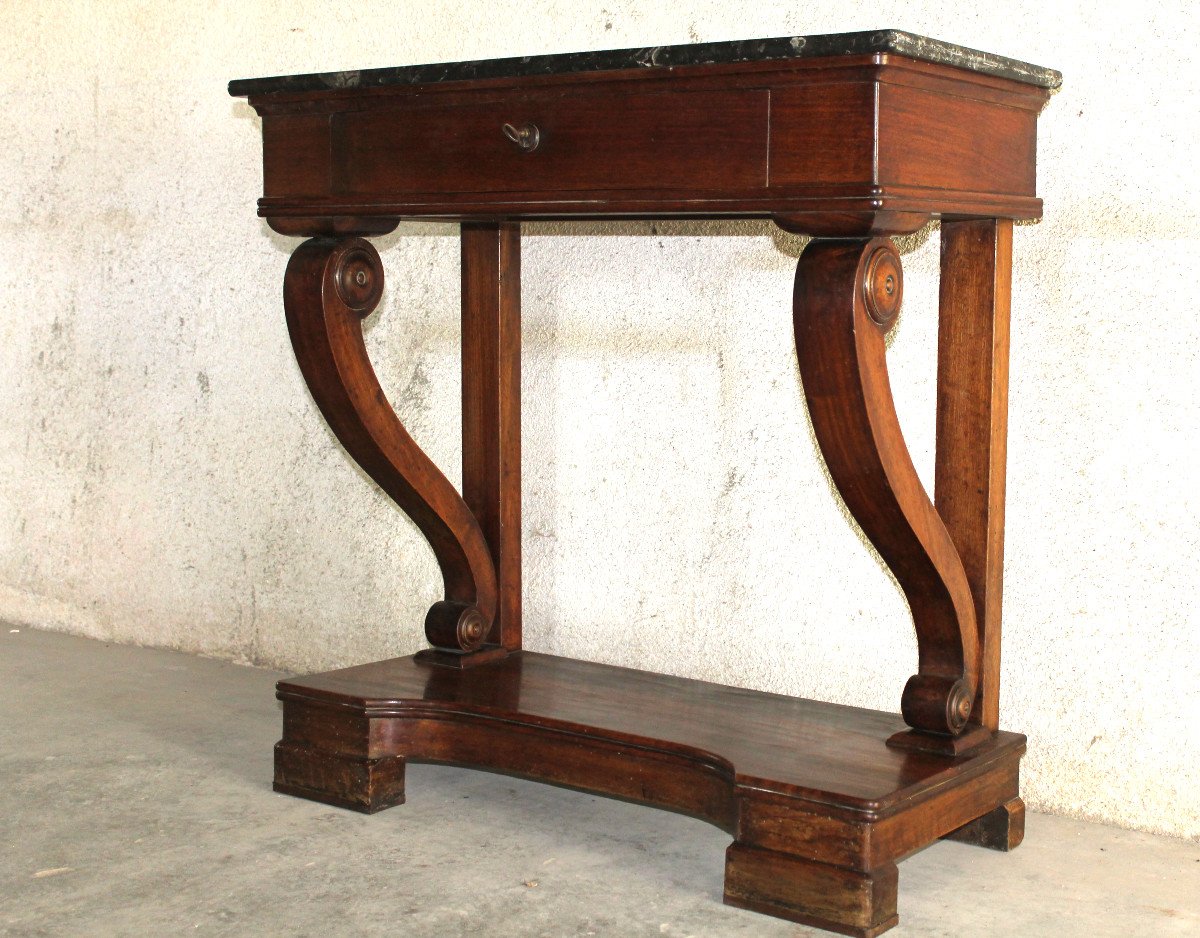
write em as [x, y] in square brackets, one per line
[883, 286]
[358, 276]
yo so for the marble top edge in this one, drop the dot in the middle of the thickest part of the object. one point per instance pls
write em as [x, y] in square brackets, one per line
[891, 41]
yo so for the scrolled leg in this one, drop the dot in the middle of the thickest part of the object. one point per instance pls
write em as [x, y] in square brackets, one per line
[848, 295]
[331, 286]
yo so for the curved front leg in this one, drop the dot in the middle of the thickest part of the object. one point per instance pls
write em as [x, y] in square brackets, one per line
[330, 287]
[846, 299]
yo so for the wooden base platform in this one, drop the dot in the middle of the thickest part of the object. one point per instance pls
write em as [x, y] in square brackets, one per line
[821, 808]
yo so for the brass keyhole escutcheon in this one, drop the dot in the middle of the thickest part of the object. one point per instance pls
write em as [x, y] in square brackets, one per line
[526, 136]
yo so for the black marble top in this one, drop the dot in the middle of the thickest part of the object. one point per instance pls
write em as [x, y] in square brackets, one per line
[706, 53]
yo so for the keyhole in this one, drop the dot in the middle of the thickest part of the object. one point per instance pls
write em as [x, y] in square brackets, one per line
[889, 285]
[360, 278]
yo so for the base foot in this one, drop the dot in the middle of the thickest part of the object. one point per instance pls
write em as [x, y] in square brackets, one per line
[360, 784]
[840, 900]
[1002, 829]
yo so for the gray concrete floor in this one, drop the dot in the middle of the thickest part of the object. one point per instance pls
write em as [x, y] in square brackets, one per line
[135, 799]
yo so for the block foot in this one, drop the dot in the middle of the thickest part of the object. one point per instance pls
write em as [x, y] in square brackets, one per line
[1002, 829]
[360, 784]
[849, 902]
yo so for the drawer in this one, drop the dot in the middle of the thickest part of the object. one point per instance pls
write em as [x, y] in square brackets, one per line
[701, 140]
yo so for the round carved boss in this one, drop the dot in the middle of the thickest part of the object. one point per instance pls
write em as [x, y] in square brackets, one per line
[936, 704]
[958, 707]
[883, 286]
[472, 629]
[455, 626]
[358, 275]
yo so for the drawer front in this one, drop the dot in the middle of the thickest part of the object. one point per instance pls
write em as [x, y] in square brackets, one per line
[690, 140]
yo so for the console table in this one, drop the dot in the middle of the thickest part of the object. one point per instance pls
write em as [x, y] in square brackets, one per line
[847, 138]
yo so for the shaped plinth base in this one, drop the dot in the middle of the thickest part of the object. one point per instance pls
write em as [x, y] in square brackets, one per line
[820, 806]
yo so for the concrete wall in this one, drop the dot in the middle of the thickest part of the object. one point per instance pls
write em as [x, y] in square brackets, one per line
[166, 480]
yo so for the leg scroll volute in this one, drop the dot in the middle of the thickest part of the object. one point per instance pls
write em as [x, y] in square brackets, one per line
[847, 297]
[330, 287]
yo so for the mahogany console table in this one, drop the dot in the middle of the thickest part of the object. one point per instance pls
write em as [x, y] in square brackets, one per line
[848, 138]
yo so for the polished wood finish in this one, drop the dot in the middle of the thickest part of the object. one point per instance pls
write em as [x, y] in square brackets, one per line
[847, 296]
[463, 147]
[330, 286]
[491, 407]
[822, 800]
[789, 746]
[820, 806]
[972, 423]
[830, 146]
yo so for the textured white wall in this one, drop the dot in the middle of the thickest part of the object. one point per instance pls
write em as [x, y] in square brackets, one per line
[165, 478]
